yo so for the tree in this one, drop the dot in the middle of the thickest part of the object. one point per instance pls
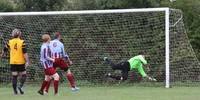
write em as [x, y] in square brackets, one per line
[6, 6]
[39, 5]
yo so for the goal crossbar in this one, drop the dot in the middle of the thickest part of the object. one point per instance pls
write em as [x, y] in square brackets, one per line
[82, 12]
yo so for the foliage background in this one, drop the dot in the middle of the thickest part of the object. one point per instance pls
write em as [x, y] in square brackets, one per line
[190, 8]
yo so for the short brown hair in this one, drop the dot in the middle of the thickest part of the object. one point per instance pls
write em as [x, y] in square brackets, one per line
[46, 37]
[57, 34]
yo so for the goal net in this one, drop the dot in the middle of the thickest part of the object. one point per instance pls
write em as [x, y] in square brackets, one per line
[89, 36]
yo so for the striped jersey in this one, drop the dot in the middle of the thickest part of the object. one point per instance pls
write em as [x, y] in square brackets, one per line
[45, 54]
[57, 48]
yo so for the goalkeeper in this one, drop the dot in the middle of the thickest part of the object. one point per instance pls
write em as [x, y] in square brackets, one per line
[136, 62]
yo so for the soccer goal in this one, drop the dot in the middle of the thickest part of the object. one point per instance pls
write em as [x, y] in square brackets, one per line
[118, 34]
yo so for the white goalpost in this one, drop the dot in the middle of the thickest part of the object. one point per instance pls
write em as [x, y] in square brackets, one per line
[167, 63]
[122, 33]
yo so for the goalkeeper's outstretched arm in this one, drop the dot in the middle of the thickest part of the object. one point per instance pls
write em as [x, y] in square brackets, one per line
[142, 72]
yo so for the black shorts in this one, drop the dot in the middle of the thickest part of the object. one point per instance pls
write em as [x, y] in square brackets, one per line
[124, 66]
[17, 68]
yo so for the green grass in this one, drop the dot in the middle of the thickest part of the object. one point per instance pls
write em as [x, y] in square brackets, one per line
[108, 93]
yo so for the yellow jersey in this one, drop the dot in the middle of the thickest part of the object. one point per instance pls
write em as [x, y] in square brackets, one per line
[16, 46]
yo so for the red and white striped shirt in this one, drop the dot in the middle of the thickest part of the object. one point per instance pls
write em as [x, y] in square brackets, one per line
[57, 48]
[45, 54]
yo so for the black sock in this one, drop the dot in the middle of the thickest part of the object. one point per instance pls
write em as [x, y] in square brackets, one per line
[23, 80]
[14, 83]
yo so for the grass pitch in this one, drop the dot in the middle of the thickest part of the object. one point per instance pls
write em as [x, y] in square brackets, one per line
[107, 93]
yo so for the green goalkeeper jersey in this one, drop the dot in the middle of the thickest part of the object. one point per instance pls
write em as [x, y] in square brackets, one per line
[137, 63]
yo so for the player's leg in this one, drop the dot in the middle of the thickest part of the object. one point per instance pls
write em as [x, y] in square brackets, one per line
[22, 71]
[49, 83]
[45, 82]
[108, 61]
[124, 75]
[69, 75]
[56, 83]
[113, 76]
[14, 78]
[126, 69]
[46, 90]
[114, 66]
[14, 82]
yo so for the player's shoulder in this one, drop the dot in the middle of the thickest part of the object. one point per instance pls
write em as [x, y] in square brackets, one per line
[44, 45]
[20, 41]
[17, 39]
[12, 39]
[53, 41]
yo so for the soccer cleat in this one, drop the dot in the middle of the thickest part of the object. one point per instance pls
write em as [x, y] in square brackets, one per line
[75, 89]
[108, 74]
[15, 92]
[41, 92]
[45, 93]
[20, 90]
[56, 94]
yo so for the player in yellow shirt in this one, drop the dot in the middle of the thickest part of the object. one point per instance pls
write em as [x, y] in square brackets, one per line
[18, 59]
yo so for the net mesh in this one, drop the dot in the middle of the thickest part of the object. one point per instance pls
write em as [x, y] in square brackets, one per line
[90, 37]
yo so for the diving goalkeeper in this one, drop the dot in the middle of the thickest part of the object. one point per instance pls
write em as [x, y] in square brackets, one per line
[136, 62]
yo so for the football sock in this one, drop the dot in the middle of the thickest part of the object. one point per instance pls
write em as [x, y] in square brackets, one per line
[44, 84]
[55, 86]
[14, 83]
[23, 80]
[47, 86]
[70, 77]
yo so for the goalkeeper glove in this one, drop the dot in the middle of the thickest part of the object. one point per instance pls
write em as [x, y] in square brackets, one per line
[152, 79]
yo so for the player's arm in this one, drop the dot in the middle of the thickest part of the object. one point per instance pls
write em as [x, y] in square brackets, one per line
[66, 56]
[141, 71]
[144, 61]
[24, 50]
[44, 53]
[144, 75]
[51, 59]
